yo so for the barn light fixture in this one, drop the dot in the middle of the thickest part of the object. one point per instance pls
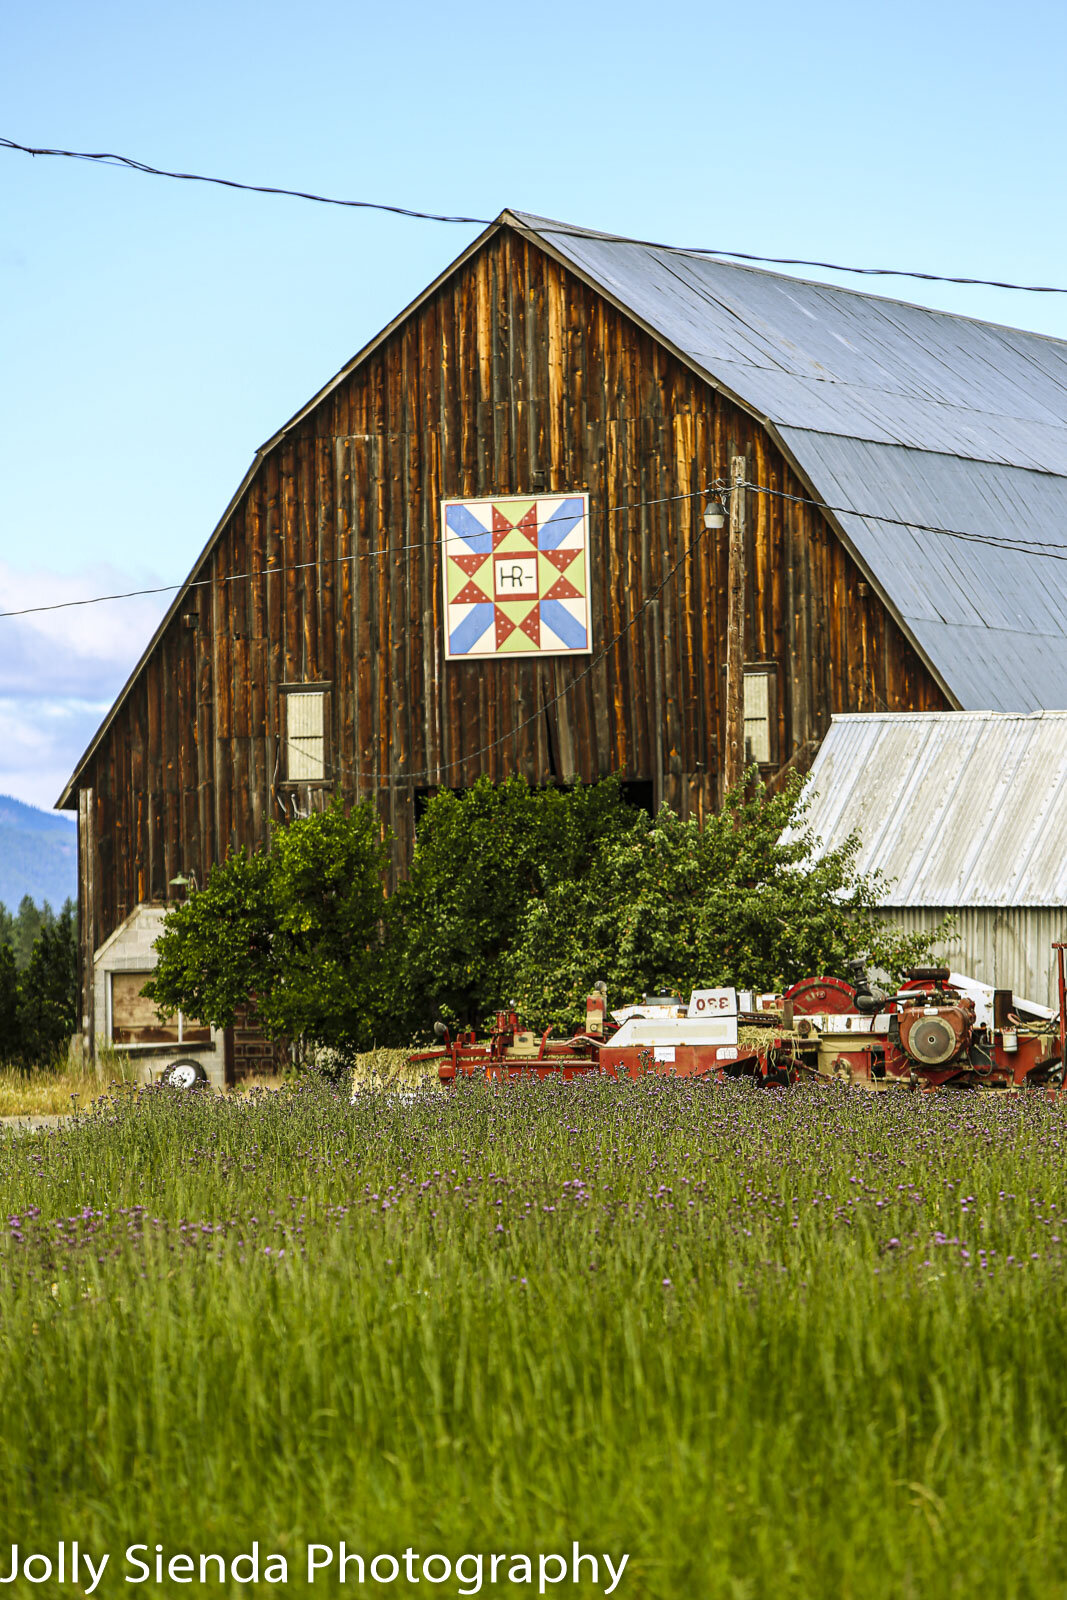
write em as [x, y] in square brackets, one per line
[714, 516]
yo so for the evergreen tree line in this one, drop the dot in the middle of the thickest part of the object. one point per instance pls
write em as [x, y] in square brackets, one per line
[38, 981]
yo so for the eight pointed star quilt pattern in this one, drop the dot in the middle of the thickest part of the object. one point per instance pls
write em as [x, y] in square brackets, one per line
[516, 576]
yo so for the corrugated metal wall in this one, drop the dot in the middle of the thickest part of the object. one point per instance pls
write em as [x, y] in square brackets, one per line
[1009, 948]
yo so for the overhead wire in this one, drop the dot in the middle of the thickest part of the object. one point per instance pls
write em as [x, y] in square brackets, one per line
[130, 163]
[1027, 547]
[349, 770]
[352, 555]
[109, 158]
[718, 488]
[795, 261]
[1041, 548]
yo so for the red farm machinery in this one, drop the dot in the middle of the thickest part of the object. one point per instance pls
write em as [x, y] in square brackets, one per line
[937, 1029]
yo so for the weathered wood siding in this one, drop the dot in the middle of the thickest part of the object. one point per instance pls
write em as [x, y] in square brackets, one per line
[512, 377]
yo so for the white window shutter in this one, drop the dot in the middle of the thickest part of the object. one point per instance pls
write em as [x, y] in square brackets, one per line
[757, 718]
[305, 737]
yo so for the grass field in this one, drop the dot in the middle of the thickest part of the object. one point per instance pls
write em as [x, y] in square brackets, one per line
[798, 1344]
[49, 1090]
[58, 1087]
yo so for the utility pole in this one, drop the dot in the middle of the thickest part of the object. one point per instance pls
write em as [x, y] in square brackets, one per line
[734, 756]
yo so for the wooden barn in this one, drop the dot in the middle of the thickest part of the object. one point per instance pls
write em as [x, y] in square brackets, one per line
[567, 401]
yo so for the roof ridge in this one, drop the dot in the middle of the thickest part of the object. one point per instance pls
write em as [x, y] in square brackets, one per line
[535, 222]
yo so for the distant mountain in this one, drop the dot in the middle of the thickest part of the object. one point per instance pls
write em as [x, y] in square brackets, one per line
[38, 854]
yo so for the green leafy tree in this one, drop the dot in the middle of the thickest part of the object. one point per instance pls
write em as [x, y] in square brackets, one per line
[516, 893]
[747, 900]
[327, 880]
[48, 989]
[481, 859]
[217, 950]
[296, 930]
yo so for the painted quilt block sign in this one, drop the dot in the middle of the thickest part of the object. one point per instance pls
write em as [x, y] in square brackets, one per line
[516, 576]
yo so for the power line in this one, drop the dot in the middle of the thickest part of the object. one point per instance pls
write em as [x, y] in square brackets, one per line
[1023, 547]
[353, 555]
[1046, 548]
[796, 261]
[129, 163]
[347, 769]
[107, 158]
[719, 487]
[339, 769]
[206, 583]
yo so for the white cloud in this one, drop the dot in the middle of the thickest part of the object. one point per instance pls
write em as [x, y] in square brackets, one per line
[60, 670]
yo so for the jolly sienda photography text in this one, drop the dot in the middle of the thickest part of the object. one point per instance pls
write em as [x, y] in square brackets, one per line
[97, 1571]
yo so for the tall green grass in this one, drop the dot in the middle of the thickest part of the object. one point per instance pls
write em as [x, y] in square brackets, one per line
[750, 1339]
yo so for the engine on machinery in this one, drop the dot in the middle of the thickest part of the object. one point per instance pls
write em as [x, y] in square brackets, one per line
[936, 1028]
[933, 1037]
[932, 1032]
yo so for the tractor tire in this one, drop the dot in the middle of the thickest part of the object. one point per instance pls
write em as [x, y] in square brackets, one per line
[183, 1075]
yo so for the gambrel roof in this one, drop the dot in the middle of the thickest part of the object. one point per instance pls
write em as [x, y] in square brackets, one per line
[895, 410]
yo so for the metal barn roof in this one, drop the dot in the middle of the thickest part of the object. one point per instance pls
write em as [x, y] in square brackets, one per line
[896, 410]
[959, 808]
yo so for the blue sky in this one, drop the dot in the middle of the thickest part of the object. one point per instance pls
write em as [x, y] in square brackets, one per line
[153, 334]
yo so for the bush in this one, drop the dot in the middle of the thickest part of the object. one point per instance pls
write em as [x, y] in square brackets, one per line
[296, 929]
[515, 893]
[672, 906]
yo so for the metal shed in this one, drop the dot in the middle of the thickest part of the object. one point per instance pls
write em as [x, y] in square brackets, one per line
[965, 814]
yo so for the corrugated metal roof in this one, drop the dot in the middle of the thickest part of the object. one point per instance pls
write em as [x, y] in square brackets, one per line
[992, 621]
[895, 409]
[957, 808]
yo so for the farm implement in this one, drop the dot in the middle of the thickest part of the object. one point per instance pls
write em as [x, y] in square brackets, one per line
[938, 1029]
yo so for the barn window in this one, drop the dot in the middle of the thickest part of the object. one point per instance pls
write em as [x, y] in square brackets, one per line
[135, 1020]
[761, 713]
[304, 733]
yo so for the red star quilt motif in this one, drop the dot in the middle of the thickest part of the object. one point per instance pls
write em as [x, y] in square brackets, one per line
[516, 576]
